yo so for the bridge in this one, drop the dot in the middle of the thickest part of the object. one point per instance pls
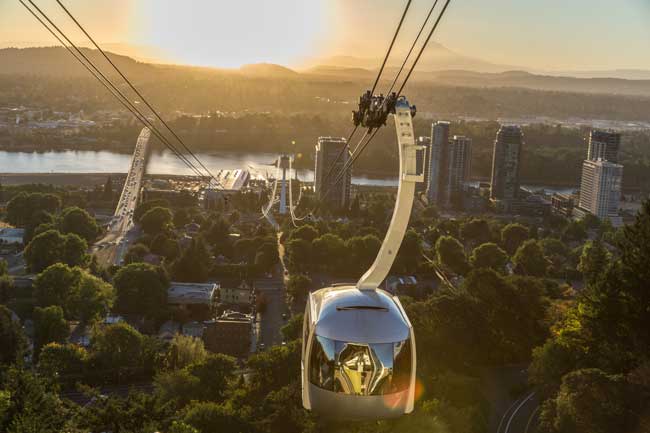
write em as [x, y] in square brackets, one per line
[121, 229]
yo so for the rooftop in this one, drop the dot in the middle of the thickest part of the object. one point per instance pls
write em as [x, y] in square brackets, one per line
[191, 293]
[229, 180]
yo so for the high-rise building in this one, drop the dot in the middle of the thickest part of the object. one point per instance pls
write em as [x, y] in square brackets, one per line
[457, 168]
[600, 189]
[604, 145]
[326, 187]
[504, 185]
[422, 162]
[437, 161]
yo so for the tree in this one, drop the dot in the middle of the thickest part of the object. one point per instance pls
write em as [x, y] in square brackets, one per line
[64, 362]
[6, 288]
[594, 260]
[49, 326]
[156, 220]
[108, 189]
[298, 256]
[214, 373]
[141, 289]
[78, 221]
[118, 348]
[293, 328]
[267, 256]
[50, 247]
[193, 264]
[55, 284]
[181, 218]
[329, 252]
[91, 298]
[82, 296]
[298, 286]
[12, 338]
[165, 246]
[529, 259]
[23, 206]
[185, 350]
[144, 207]
[575, 231]
[306, 232]
[590, 400]
[44, 250]
[451, 254]
[34, 405]
[361, 252]
[512, 236]
[489, 255]
[409, 254]
[74, 250]
[475, 231]
[136, 254]
[213, 417]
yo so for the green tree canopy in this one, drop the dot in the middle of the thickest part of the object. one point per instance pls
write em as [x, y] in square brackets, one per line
[156, 220]
[489, 255]
[298, 286]
[590, 400]
[118, 348]
[329, 252]
[409, 254]
[475, 231]
[306, 232]
[144, 207]
[451, 254]
[292, 330]
[49, 326]
[529, 259]
[136, 253]
[64, 362]
[78, 221]
[299, 255]
[594, 261]
[51, 247]
[141, 289]
[193, 265]
[512, 236]
[23, 206]
[12, 338]
[81, 295]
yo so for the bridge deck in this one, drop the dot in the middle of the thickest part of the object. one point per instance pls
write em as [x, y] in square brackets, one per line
[111, 248]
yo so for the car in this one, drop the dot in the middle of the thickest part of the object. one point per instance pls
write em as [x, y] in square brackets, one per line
[284, 316]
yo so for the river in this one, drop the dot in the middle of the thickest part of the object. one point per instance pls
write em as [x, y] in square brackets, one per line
[89, 161]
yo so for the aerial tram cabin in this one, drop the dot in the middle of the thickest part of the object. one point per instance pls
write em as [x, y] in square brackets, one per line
[358, 352]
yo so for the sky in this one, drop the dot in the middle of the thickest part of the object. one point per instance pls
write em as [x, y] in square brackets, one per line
[542, 35]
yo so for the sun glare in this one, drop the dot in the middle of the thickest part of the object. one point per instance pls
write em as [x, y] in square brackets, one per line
[230, 34]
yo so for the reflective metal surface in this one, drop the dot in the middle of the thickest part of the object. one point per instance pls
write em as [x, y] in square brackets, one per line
[360, 369]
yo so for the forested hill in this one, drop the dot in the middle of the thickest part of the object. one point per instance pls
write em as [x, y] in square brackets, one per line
[56, 62]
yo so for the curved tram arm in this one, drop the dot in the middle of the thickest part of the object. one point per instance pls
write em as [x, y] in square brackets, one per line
[409, 175]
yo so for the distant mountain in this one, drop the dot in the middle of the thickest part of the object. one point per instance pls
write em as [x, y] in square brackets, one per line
[436, 57]
[267, 70]
[56, 62]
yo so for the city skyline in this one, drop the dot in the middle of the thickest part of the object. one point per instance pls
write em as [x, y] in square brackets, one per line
[293, 32]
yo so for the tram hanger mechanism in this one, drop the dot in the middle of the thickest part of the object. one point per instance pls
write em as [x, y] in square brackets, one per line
[358, 352]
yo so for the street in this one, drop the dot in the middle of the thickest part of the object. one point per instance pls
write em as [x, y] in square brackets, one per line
[121, 230]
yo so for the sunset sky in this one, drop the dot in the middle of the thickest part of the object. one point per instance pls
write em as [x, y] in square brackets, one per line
[547, 35]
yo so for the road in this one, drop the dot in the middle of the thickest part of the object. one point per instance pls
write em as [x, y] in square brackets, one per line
[121, 230]
[271, 320]
[521, 416]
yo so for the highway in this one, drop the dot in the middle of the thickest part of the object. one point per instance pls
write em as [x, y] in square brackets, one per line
[121, 230]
